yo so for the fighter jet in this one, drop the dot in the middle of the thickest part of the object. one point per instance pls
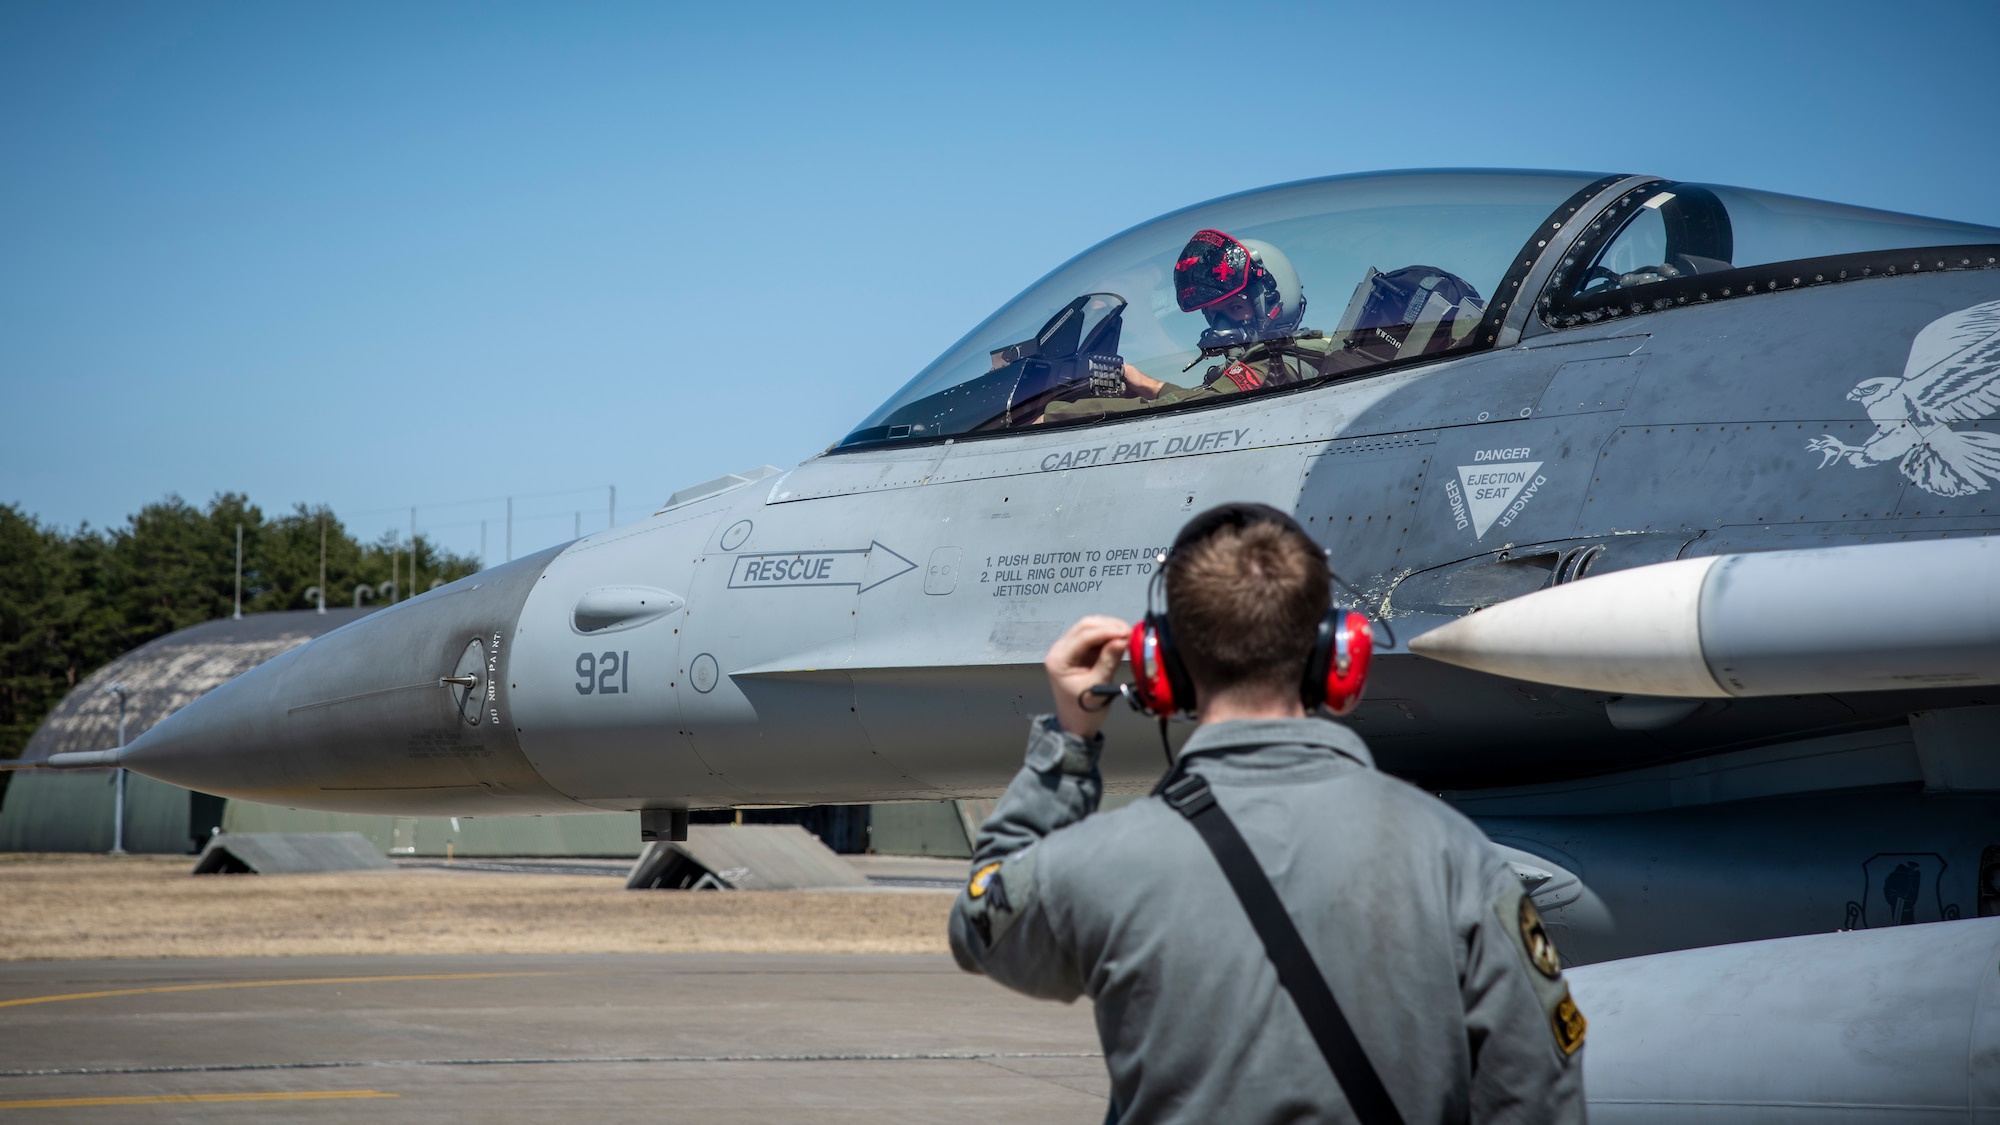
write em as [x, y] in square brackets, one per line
[1669, 499]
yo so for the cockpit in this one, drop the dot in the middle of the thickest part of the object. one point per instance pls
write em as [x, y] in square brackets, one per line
[1381, 267]
[1664, 244]
[1327, 279]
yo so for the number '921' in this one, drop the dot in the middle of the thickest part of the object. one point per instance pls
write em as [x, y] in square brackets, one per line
[607, 673]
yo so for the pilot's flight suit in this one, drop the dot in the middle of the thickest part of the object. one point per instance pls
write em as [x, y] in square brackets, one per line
[1414, 919]
[1227, 376]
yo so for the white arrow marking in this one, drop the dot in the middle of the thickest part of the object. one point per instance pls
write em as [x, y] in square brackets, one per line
[863, 568]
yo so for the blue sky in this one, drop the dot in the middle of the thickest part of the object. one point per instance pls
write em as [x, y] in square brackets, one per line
[377, 255]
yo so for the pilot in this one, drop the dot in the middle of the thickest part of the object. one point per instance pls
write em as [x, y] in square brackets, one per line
[1397, 905]
[1253, 302]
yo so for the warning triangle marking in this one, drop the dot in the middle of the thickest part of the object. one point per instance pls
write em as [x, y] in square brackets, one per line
[1490, 488]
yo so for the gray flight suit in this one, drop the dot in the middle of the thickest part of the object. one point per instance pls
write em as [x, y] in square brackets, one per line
[1417, 923]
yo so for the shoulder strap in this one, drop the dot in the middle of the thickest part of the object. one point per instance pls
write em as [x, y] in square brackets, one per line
[1190, 796]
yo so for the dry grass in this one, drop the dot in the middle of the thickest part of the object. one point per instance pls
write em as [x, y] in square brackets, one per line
[65, 907]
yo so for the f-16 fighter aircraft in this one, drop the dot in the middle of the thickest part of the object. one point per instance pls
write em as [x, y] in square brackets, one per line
[1674, 493]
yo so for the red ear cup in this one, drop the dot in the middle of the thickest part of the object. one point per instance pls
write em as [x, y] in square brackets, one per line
[1153, 685]
[1347, 670]
[1163, 686]
[1337, 670]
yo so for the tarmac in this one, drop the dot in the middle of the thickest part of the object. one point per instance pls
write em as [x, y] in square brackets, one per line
[587, 1037]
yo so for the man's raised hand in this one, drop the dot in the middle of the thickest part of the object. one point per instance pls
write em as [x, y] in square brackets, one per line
[1086, 655]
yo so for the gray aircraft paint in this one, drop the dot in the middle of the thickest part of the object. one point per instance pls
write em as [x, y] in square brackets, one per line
[1897, 1027]
[869, 625]
[349, 722]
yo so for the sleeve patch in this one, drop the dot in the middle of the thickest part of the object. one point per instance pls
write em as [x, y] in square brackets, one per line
[1525, 930]
[990, 903]
[980, 879]
[1536, 940]
[1569, 1024]
[1243, 375]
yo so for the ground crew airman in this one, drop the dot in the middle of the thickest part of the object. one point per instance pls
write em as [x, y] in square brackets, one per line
[1419, 929]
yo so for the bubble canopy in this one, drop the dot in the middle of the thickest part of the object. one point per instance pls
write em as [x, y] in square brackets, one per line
[1391, 266]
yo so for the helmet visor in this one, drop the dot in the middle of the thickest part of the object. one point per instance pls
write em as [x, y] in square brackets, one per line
[1213, 267]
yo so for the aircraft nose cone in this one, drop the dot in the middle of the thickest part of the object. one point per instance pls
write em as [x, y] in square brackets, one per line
[405, 711]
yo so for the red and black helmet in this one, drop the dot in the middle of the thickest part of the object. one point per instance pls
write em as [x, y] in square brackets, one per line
[1213, 267]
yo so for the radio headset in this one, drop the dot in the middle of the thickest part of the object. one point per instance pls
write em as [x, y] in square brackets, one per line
[1336, 671]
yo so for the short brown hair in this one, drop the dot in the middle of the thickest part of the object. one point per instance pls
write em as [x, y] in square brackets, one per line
[1246, 589]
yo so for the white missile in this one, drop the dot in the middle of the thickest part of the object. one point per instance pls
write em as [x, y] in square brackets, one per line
[1875, 617]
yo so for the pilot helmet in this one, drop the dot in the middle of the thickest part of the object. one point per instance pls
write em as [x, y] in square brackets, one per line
[1397, 298]
[1214, 267]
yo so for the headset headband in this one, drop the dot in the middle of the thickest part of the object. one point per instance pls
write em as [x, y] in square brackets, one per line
[1238, 515]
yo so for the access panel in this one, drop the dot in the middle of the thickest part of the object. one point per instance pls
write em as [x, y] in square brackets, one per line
[1359, 498]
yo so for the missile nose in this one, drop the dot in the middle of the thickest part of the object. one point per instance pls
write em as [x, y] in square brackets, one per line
[1750, 624]
[405, 711]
